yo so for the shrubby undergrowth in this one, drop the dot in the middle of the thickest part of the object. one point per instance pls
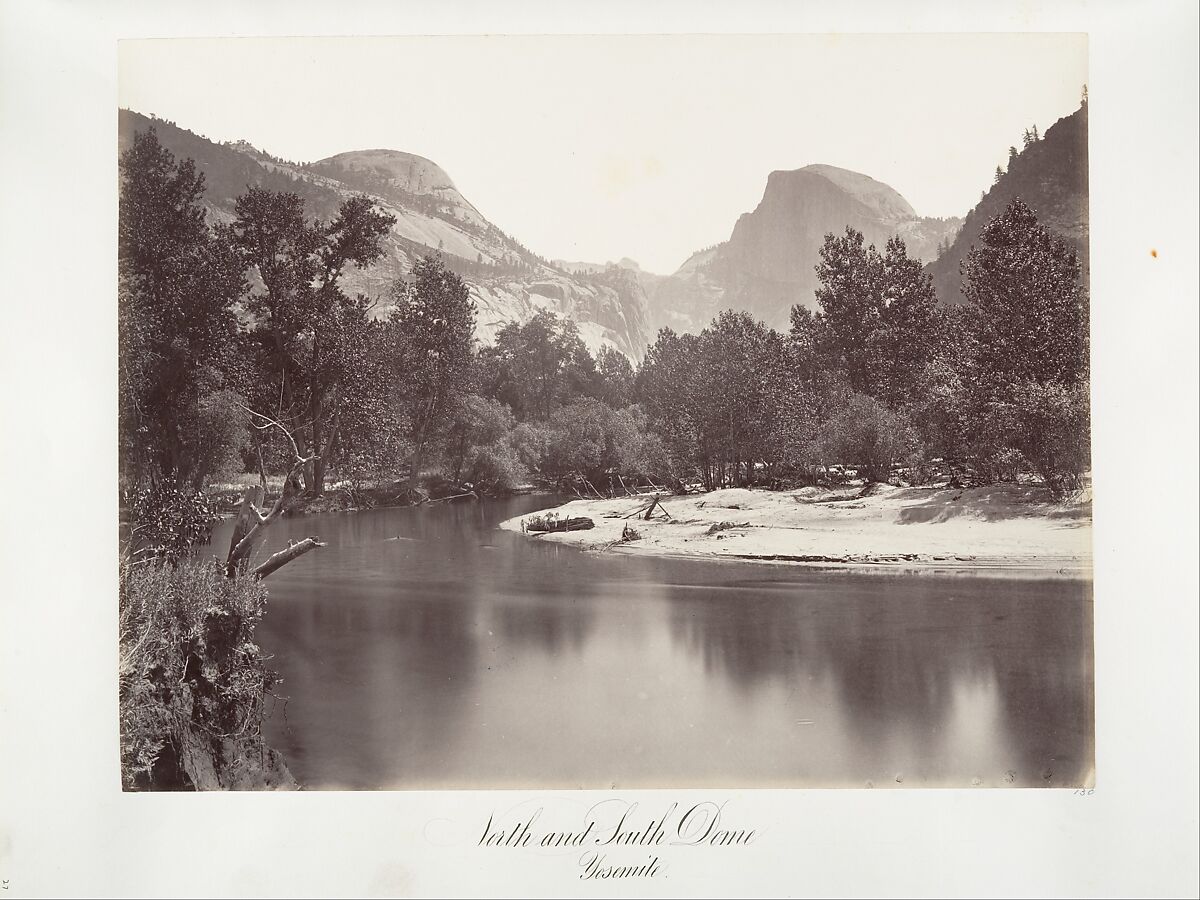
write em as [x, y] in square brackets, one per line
[194, 685]
[168, 519]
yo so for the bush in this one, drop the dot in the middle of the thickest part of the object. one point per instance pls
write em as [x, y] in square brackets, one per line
[192, 681]
[870, 436]
[1053, 431]
[168, 519]
[496, 468]
[530, 441]
[477, 422]
[590, 438]
[1001, 464]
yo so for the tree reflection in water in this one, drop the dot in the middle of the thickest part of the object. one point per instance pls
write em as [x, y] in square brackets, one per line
[423, 648]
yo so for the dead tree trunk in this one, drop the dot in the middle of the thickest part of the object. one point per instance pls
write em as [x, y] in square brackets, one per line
[247, 518]
[251, 524]
[240, 552]
[283, 557]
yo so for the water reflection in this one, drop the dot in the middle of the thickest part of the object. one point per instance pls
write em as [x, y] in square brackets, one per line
[423, 648]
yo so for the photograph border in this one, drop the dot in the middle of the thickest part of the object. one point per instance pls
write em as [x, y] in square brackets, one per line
[65, 825]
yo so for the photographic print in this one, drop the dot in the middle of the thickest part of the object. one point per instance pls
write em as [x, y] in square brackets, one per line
[606, 412]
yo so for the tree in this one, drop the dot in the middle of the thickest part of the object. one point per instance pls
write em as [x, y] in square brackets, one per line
[297, 303]
[537, 366]
[478, 422]
[432, 334]
[1053, 431]
[909, 329]
[878, 320]
[1031, 308]
[716, 399]
[615, 374]
[366, 428]
[1030, 359]
[996, 178]
[177, 281]
[851, 276]
[938, 407]
[671, 386]
[581, 378]
[590, 438]
[743, 362]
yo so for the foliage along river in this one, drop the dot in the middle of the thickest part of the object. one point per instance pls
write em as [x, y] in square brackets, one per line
[424, 648]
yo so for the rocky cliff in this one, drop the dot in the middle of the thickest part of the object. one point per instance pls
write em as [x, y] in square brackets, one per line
[767, 265]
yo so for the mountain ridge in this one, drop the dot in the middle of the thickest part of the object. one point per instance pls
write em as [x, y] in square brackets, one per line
[765, 266]
[507, 281]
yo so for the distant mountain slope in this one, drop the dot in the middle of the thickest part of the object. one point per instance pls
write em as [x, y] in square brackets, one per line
[649, 281]
[768, 263]
[508, 282]
[1051, 176]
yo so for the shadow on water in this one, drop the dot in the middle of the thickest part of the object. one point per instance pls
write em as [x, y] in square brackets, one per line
[425, 648]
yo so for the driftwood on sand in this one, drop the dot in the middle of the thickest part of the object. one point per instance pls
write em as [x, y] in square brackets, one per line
[647, 512]
[542, 524]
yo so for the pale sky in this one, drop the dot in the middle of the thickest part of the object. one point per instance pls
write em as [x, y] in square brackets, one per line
[594, 148]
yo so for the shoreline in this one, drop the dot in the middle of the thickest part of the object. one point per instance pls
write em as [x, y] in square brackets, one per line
[996, 530]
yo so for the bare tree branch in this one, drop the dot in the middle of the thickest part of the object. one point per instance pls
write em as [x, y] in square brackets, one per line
[269, 422]
[283, 557]
[246, 535]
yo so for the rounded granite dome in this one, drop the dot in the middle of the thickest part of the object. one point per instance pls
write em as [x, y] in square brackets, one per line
[875, 195]
[409, 172]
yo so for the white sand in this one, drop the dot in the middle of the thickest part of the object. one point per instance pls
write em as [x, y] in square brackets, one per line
[996, 528]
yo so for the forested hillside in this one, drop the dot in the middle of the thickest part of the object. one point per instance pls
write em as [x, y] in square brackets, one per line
[1050, 174]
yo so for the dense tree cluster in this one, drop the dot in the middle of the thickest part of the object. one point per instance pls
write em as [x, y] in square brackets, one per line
[220, 319]
[882, 379]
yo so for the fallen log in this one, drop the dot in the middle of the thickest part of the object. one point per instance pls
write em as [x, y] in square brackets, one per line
[575, 523]
[285, 556]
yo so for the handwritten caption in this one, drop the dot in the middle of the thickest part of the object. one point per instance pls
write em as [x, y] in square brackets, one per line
[612, 831]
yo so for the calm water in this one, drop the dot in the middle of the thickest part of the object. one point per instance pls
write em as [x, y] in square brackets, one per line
[462, 656]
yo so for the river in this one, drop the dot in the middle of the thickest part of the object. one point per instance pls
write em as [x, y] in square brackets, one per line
[424, 649]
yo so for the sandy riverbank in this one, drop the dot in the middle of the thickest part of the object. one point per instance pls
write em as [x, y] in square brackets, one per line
[1004, 527]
